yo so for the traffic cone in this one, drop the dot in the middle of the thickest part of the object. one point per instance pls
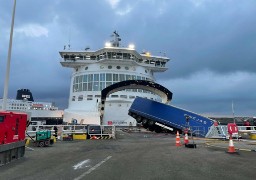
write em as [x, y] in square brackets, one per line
[186, 141]
[178, 139]
[94, 137]
[231, 148]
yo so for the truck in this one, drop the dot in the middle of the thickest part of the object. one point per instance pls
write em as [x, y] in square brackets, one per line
[43, 138]
[157, 116]
[12, 136]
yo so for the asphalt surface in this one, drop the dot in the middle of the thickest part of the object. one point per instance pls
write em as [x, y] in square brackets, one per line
[135, 156]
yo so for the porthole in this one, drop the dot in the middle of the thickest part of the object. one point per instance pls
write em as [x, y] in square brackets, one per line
[109, 67]
[86, 68]
[126, 68]
[118, 67]
[101, 67]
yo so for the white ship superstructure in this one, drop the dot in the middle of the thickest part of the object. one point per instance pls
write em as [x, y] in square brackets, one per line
[39, 111]
[95, 70]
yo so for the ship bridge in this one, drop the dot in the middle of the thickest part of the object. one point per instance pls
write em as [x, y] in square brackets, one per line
[113, 53]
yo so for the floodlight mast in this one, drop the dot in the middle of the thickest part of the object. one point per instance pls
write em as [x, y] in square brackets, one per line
[7, 75]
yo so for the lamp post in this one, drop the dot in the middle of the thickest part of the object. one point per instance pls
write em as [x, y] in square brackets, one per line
[7, 75]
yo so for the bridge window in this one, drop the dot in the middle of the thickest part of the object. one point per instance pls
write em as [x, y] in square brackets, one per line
[80, 97]
[80, 87]
[108, 77]
[97, 82]
[85, 78]
[121, 77]
[102, 77]
[85, 87]
[95, 86]
[115, 77]
[96, 77]
[90, 77]
[102, 85]
[89, 97]
[123, 96]
[128, 77]
[132, 97]
[89, 86]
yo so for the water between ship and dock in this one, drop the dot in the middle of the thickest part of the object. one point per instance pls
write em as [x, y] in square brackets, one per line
[134, 155]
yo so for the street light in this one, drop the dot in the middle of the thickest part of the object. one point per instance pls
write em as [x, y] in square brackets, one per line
[7, 75]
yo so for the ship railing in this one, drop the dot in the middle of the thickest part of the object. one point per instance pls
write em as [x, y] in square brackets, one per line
[86, 60]
[69, 130]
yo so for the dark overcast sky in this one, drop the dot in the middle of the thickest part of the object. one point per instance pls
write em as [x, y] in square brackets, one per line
[211, 43]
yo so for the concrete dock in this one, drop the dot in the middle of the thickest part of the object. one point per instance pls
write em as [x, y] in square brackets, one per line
[134, 155]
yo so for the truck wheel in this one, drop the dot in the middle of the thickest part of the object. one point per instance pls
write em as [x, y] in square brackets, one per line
[134, 116]
[158, 129]
[151, 123]
[144, 121]
[41, 144]
[47, 143]
[139, 119]
[151, 128]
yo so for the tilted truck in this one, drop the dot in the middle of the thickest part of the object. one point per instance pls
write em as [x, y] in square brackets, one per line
[12, 136]
[155, 116]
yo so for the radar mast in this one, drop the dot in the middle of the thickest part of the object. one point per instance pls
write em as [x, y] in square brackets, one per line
[116, 39]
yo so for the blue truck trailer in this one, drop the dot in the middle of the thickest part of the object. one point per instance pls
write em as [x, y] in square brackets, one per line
[155, 116]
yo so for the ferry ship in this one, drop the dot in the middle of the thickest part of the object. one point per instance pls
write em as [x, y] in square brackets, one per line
[92, 71]
[46, 112]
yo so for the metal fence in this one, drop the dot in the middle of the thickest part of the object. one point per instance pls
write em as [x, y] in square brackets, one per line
[221, 131]
[65, 130]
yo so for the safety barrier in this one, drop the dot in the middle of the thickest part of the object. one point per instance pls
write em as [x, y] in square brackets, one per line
[221, 131]
[70, 132]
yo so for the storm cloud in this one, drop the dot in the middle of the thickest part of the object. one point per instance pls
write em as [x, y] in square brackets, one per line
[212, 46]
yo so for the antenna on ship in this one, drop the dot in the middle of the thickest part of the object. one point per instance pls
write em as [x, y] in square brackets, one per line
[69, 35]
[116, 39]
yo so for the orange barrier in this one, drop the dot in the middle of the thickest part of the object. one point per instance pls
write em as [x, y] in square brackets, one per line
[186, 141]
[178, 143]
[231, 148]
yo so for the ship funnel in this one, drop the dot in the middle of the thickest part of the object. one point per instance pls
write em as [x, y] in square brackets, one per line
[24, 94]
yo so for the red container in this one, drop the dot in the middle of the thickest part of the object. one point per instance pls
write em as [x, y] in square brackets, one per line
[12, 127]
